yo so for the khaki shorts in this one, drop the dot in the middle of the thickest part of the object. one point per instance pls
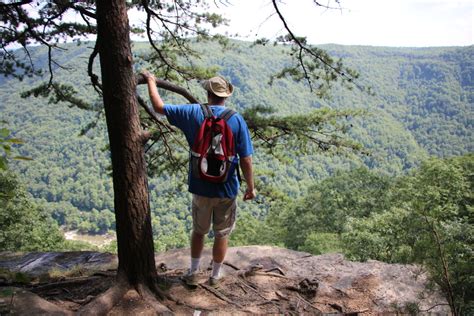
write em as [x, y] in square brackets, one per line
[220, 212]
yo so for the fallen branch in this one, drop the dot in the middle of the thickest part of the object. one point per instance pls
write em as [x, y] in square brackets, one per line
[427, 310]
[308, 302]
[227, 263]
[251, 286]
[84, 300]
[64, 283]
[242, 287]
[105, 273]
[281, 296]
[271, 274]
[219, 295]
[337, 307]
[277, 269]
[265, 303]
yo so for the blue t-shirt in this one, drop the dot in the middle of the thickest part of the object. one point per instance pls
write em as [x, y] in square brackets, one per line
[189, 118]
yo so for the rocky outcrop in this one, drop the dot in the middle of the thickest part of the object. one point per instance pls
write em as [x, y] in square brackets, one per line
[36, 264]
[261, 279]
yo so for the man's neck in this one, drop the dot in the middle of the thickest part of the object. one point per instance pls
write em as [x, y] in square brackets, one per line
[214, 103]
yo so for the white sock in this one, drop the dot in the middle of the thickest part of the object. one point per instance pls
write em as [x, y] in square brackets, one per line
[216, 269]
[195, 264]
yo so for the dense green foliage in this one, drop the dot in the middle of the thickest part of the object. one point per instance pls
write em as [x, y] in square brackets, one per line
[69, 175]
[424, 217]
[429, 220]
[6, 144]
[25, 226]
[387, 205]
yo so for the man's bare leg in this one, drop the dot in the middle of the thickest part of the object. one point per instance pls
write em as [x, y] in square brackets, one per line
[197, 244]
[218, 254]
[219, 249]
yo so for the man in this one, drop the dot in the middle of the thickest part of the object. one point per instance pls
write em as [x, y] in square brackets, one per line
[212, 202]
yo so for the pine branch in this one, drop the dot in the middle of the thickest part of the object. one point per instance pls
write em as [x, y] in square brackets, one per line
[309, 59]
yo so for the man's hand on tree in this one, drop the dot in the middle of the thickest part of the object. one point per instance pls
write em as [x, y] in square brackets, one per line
[148, 75]
[156, 101]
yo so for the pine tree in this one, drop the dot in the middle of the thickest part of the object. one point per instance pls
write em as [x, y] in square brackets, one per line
[36, 22]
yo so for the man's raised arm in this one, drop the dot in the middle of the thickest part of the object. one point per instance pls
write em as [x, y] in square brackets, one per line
[155, 98]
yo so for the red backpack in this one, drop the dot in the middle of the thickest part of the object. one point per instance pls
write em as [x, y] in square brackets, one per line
[213, 151]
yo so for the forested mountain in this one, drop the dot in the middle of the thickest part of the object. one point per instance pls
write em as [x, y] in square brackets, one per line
[423, 106]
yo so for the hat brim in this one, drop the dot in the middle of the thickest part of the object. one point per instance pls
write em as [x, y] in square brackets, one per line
[208, 87]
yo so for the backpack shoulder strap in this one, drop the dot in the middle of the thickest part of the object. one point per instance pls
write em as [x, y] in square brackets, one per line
[227, 114]
[206, 110]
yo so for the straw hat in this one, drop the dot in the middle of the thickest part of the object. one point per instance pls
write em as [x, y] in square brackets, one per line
[219, 86]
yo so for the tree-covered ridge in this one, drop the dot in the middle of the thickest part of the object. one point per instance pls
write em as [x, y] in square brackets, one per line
[69, 173]
[429, 90]
[423, 217]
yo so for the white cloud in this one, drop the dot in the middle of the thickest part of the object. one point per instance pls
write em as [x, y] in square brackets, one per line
[361, 22]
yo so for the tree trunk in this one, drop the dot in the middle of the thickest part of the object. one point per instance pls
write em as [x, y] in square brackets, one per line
[132, 208]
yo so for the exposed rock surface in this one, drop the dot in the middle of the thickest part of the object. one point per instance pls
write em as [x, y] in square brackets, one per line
[257, 279]
[38, 263]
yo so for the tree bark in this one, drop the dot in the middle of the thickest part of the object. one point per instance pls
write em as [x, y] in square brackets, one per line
[132, 208]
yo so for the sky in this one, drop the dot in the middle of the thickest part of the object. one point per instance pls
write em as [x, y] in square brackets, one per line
[413, 23]
[396, 23]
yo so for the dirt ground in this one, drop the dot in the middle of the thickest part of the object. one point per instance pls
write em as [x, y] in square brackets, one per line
[259, 291]
[257, 280]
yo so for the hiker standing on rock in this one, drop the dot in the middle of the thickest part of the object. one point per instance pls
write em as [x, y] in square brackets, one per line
[218, 137]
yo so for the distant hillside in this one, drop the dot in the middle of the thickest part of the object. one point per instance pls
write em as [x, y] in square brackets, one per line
[423, 105]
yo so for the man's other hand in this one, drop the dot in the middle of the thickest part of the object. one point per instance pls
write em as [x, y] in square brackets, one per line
[250, 194]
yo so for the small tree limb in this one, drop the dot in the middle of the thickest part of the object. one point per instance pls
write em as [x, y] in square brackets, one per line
[140, 79]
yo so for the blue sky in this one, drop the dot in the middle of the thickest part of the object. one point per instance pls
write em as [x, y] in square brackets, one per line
[414, 23]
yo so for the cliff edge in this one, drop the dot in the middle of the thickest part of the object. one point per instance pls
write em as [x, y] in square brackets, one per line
[257, 279]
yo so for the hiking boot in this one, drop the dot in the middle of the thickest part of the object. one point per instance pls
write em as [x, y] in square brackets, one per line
[190, 278]
[214, 282]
